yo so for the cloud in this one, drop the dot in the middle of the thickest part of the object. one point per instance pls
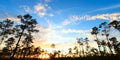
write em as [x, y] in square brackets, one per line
[27, 9]
[75, 18]
[48, 35]
[51, 14]
[11, 18]
[74, 31]
[47, 0]
[41, 14]
[40, 7]
[113, 16]
[106, 8]
[42, 10]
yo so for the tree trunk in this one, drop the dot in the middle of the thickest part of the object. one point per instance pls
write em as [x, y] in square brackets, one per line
[98, 44]
[83, 51]
[14, 51]
[109, 46]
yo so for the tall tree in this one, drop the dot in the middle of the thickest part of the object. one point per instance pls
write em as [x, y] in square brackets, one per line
[95, 32]
[81, 43]
[26, 28]
[87, 44]
[105, 28]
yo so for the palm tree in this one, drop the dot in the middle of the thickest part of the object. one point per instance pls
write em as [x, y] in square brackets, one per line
[26, 28]
[95, 32]
[105, 29]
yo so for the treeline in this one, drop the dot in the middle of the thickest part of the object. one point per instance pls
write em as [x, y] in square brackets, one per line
[108, 45]
[12, 33]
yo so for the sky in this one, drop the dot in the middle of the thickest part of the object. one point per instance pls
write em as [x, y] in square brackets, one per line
[62, 21]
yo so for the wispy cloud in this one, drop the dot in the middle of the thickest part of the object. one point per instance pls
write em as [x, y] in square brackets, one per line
[47, 0]
[41, 9]
[27, 9]
[74, 31]
[74, 18]
[106, 8]
[11, 18]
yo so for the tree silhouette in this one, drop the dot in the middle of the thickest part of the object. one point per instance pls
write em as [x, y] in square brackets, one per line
[9, 43]
[103, 43]
[76, 50]
[26, 28]
[95, 51]
[87, 44]
[80, 42]
[53, 45]
[114, 43]
[37, 51]
[115, 24]
[6, 28]
[105, 31]
[95, 32]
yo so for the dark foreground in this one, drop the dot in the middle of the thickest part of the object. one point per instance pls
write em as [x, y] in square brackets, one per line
[69, 58]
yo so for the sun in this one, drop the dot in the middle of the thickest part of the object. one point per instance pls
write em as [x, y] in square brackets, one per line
[44, 56]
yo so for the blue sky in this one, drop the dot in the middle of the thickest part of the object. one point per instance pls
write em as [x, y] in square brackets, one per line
[62, 21]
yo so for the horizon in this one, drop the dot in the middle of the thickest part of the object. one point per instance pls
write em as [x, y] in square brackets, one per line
[60, 21]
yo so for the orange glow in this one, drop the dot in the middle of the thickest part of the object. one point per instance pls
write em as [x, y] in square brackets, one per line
[44, 56]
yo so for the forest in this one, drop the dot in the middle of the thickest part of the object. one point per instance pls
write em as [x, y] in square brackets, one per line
[11, 33]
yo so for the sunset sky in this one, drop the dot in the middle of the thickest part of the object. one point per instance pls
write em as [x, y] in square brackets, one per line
[62, 21]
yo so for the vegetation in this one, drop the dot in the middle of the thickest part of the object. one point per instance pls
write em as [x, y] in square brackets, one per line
[12, 34]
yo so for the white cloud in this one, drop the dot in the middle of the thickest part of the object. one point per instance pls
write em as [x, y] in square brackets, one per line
[41, 14]
[42, 10]
[106, 8]
[51, 14]
[113, 16]
[74, 31]
[11, 18]
[74, 18]
[27, 9]
[40, 7]
[66, 22]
